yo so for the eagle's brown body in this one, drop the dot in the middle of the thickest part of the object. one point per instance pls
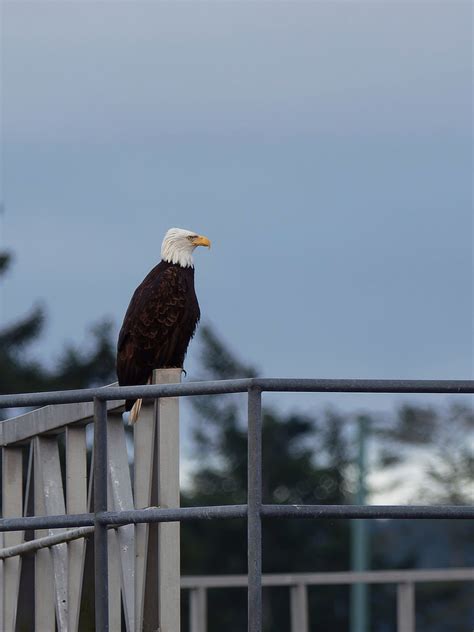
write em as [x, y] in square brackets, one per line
[160, 321]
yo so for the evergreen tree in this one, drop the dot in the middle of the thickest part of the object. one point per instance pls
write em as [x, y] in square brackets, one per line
[304, 461]
[75, 368]
[308, 459]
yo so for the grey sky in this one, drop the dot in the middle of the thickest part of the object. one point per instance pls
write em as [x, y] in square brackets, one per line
[325, 148]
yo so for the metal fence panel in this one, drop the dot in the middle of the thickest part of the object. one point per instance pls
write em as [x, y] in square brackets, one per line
[56, 569]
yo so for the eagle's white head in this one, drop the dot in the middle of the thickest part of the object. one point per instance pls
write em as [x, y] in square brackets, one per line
[179, 244]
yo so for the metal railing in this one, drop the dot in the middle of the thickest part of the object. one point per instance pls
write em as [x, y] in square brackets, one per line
[298, 583]
[103, 519]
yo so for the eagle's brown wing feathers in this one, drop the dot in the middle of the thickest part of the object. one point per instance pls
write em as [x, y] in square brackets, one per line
[158, 325]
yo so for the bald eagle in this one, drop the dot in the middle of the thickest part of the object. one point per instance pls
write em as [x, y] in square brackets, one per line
[162, 316]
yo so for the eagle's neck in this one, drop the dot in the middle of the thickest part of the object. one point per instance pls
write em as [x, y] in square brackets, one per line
[180, 254]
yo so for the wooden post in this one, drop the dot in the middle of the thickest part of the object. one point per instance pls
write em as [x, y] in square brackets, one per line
[12, 495]
[169, 579]
[146, 536]
[120, 498]
[45, 595]
[76, 502]
[156, 474]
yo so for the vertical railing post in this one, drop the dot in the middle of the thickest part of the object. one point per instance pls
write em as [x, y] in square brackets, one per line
[254, 520]
[406, 607]
[49, 500]
[76, 502]
[100, 505]
[44, 577]
[198, 609]
[299, 608]
[146, 535]
[360, 615]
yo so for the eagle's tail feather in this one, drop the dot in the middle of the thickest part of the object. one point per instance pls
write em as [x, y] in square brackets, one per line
[133, 416]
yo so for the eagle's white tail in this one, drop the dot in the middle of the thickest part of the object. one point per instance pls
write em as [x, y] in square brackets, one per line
[135, 411]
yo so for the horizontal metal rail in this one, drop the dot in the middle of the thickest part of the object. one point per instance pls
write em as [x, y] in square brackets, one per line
[396, 512]
[333, 578]
[43, 543]
[184, 514]
[181, 514]
[71, 407]
[298, 584]
[118, 519]
[116, 393]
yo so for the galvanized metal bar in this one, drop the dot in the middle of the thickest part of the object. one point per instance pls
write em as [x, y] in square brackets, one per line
[238, 511]
[419, 512]
[406, 607]
[237, 386]
[364, 386]
[112, 518]
[30, 523]
[43, 543]
[396, 512]
[198, 610]
[299, 608]
[119, 393]
[100, 505]
[254, 520]
[158, 514]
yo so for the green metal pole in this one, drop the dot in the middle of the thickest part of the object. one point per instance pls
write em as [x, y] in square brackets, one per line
[360, 540]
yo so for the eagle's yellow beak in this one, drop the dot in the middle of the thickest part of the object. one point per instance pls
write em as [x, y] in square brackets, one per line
[200, 240]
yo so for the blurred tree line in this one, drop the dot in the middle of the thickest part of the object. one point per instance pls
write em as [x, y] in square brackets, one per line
[307, 458]
[75, 368]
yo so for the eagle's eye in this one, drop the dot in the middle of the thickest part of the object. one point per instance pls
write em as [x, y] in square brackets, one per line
[191, 237]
